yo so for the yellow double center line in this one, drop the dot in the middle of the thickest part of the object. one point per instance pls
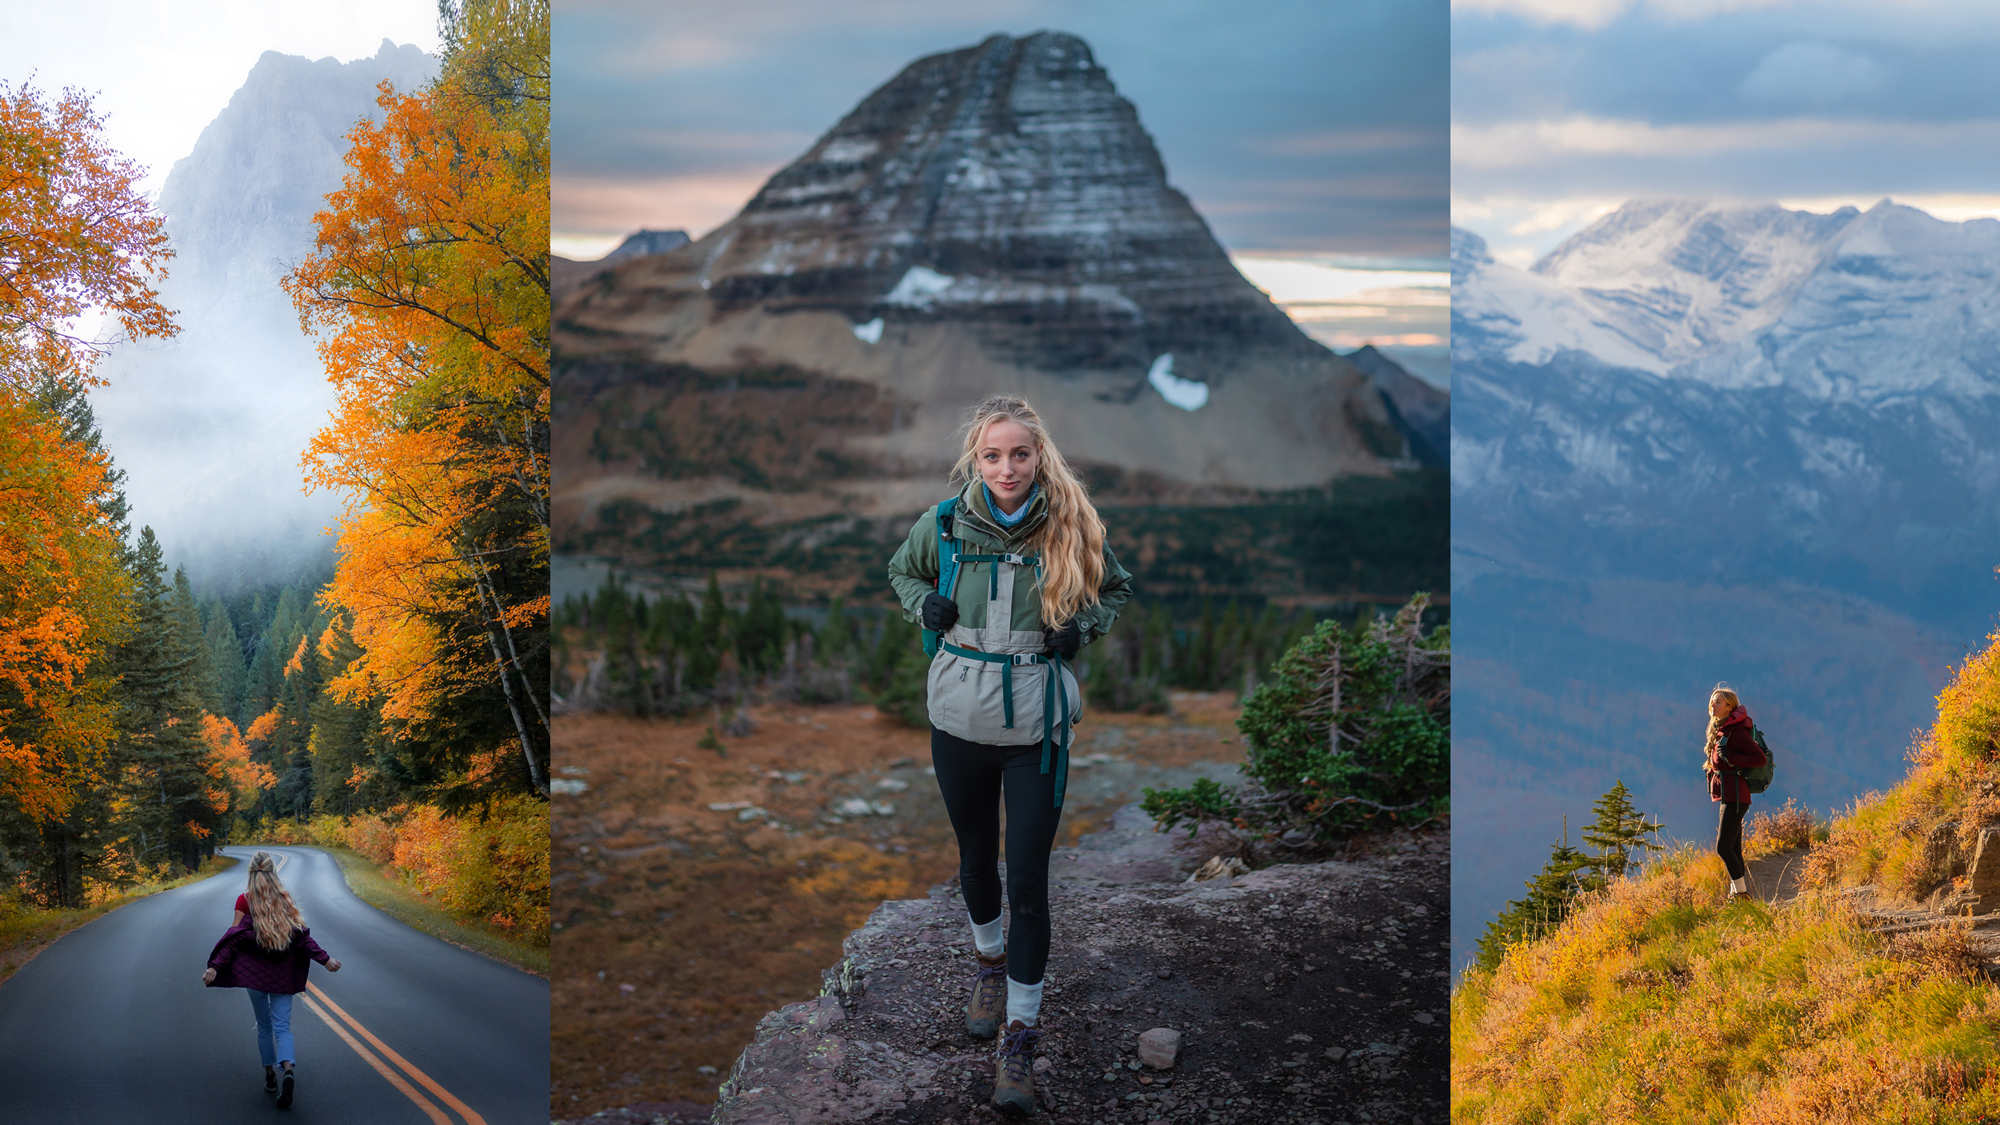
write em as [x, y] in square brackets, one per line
[383, 1068]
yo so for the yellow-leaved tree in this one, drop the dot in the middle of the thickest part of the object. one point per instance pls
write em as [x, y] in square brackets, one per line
[429, 285]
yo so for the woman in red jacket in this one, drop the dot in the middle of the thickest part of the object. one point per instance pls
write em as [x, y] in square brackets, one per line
[265, 953]
[1731, 749]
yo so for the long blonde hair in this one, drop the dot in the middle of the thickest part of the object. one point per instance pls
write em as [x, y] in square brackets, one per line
[271, 908]
[1714, 724]
[1071, 540]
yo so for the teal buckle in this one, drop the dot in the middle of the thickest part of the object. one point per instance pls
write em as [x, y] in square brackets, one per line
[993, 575]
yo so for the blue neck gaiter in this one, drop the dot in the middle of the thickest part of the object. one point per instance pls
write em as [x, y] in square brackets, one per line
[1020, 513]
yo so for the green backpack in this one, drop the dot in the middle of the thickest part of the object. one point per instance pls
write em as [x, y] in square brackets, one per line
[1758, 778]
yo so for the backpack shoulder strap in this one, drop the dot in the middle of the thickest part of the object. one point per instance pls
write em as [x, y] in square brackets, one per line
[947, 547]
[947, 583]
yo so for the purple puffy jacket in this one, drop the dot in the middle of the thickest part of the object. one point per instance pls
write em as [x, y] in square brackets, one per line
[239, 962]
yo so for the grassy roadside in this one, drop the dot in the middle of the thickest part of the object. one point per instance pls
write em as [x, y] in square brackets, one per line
[25, 932]
[404, 903]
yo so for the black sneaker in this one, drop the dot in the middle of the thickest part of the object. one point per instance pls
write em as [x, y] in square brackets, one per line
[270, 1080]
[285, 1091]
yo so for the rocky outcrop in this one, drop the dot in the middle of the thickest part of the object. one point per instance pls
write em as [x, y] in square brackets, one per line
[1423, 410]
[646, 243]
[995, 219]
[566, 275]
[1300, 993]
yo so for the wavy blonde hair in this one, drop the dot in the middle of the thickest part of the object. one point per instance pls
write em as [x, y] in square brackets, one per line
[272, 910]
[1715, 724]
[1071, 540]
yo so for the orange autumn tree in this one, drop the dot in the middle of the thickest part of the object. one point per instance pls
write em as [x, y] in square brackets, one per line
[430, 284]
[229, 761]
[61, 587]
[76, 238]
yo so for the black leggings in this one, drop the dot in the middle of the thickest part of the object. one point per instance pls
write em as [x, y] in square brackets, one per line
[972, 776]
[1729, 837]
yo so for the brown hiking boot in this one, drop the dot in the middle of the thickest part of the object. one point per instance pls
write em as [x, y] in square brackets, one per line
[988, 1005]
[1014, 1069]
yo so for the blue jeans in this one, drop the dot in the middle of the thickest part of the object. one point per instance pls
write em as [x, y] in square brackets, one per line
[274, 1025]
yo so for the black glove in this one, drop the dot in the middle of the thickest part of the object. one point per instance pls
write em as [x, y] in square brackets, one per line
[1064, 641]
[939, 612]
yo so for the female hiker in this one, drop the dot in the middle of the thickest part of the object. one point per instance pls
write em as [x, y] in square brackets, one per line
[265, 953]
[1731, 749]
[1022, 579]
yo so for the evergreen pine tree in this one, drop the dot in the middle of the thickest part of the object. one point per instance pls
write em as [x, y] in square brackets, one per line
[834, 641]
[290, 746]
[187, 622]
[158, 723]
[225, 658]
[345, 737]
[1551, 896]
[1619, 830]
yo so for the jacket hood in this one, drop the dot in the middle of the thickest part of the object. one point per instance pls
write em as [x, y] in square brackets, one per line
[1740, 715]
[973, 510]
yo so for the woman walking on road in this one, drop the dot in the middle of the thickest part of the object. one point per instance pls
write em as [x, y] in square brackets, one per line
[1012, 576]
[1731, 749]
[265, 953]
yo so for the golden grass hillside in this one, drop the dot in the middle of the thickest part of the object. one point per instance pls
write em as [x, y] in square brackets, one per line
[1655, 1002]
[1915, 841]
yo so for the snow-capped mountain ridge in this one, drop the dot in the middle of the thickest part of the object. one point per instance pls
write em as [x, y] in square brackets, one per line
[1868, 307]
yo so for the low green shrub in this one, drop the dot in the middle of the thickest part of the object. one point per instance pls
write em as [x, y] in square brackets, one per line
[1351, 730]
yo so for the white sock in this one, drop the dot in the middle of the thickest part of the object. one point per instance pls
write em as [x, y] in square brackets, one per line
[1024, 1002]
[987, 937]
[1739, 885]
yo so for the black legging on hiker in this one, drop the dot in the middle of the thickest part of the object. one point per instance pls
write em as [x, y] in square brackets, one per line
[1729, 837]
[972, 777]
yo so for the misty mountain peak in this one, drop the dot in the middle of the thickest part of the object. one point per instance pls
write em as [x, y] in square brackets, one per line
[210, 424]
[239, 207]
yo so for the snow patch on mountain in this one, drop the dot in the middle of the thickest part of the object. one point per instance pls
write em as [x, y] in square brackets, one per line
[1184, 393]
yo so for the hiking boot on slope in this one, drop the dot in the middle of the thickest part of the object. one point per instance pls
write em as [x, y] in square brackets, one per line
[983, 1013]
[1014, 1069]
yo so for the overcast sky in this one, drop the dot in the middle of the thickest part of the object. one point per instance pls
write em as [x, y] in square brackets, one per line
[1563, 109]
[1294, 125]
[163, 69]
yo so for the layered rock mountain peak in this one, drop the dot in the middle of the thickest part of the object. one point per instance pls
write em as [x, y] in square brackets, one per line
[996, 218]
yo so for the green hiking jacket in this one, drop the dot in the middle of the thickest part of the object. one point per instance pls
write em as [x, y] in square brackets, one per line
[915, 567]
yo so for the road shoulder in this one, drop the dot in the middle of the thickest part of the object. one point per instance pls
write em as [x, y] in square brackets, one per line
[26, 931]
[383, 891]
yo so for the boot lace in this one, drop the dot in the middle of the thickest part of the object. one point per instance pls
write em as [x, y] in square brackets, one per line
[990, 986]
[1017, 1052]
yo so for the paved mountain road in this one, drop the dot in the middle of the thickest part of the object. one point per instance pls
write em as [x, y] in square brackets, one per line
[112, 1022]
